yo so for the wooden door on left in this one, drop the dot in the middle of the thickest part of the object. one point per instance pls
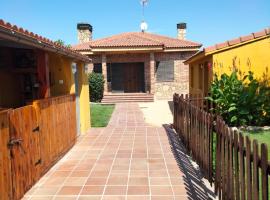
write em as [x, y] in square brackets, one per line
[25, 149]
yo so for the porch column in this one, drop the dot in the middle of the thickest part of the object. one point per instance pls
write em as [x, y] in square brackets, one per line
[104, 71]
[152, 73]
[43, 74]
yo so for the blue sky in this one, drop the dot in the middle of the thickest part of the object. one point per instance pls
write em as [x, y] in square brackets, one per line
[208, 21]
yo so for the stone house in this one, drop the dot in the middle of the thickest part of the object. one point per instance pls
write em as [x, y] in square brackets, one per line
[139, 62]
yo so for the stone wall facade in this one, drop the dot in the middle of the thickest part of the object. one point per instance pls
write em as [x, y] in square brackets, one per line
[161, 90]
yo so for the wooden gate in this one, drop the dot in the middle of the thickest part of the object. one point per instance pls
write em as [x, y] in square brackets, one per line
[25, 149]
[32, 139]
[5, 162]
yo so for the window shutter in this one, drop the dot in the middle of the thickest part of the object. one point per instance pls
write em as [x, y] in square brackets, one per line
[165, 71]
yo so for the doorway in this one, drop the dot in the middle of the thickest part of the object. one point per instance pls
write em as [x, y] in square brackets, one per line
[127, 77]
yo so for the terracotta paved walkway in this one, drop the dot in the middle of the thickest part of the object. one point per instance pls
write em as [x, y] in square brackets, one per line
[127, 160]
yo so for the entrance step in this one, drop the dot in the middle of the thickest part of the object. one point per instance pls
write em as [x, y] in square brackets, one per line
[127, 97]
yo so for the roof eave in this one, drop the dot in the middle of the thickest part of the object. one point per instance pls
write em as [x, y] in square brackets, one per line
[195, 57]
[177, 49]
[33, 42]
[121, 49]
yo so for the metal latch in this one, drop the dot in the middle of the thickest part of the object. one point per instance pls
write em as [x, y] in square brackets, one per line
[17, 142]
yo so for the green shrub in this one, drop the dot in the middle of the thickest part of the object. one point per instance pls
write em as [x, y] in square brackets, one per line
[96, 86]
[241, 101]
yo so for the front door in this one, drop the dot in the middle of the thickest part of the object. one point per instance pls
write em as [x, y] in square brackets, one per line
[134, 76]
[127, 77]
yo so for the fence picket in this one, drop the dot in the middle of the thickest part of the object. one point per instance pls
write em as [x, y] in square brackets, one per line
[264, 166]
[255, 171]
[248, 164]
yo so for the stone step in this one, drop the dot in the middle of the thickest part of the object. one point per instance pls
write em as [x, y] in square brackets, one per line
[127, 97]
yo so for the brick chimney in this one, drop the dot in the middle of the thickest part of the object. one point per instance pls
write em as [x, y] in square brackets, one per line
[181, 31]
[84, 31]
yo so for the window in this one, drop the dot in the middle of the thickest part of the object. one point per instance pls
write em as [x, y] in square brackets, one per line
[97, 68]
[165, 71]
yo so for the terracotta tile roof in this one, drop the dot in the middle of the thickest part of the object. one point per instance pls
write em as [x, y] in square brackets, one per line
[237, 41]
[14, 30]
[137, 39]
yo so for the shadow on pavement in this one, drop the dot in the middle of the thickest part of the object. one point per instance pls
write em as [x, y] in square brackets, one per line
[171, 106]
[193, 180]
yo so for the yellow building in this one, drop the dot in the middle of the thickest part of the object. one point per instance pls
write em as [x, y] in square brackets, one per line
[246, 53]
[33, 67]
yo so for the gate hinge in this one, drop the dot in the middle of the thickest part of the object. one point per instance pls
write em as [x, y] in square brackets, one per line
[36, 129]
[38, 162]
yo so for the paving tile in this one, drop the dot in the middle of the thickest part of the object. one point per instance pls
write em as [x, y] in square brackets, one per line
[41, 198]
[138, 181]
[92, 190]
[46, 191]
[117, 180]
[138, 173]
[161, 190]
[96, 181]
[79, 173]
[75, 181]
[115, 197]
[115, 190]
[167, 197]
[65, 198]
[160, 181]
[180, 190]
[141, 197]
[138, 190]
[69, 190]
[54, 181]
[90, 197]
[60, 173]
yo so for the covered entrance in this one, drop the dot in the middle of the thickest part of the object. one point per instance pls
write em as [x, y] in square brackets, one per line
[127, 77]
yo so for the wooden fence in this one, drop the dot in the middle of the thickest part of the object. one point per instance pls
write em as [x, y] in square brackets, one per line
[194, 127]
[32, 139]
[234, 164]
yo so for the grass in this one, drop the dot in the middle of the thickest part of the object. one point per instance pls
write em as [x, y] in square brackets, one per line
[261, 137]
[100, 114]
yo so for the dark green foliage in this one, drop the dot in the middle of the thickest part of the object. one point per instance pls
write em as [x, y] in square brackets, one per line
[62, 42]
[241, 101]
[96, 87]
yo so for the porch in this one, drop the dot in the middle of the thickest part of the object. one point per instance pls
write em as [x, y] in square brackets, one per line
[126, 72]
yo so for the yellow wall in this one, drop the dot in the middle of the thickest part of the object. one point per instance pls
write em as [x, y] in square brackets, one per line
[84, 98]
[254, 56]
[60, 69]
